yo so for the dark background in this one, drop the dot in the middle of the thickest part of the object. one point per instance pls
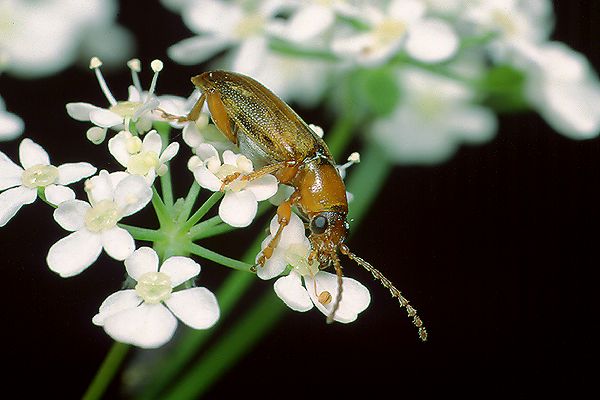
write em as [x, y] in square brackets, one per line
[496, 249]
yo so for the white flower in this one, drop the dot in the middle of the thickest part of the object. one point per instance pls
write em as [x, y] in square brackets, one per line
[137, 108]
[312, 18]
[563, 87]
[320, 287]
[43, 37]
[145, 158]
[20, 184]
[240, 203]
[402, 25]
[94, 224]
[222, 25]
[11, 126]
[145, 316]
[434, 117]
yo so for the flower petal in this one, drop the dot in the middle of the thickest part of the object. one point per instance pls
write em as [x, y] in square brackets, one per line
[309, 22]
[197, 49]
[105, 118]
[132, 194]
[57, 194]
[169, 153]
[294, 295]
[180, 269]
[81, 111]
[152, 142]
[250, 55]
[431, 41]
[274, 266]
[147, 326]
[117, 146]
[238, 209]
[74, 172]
[31, 153]
[74, 253]
[10, 173]
[196, 307]
[70, 215]
[355, 296]
[294, 231]
[12, 200]
[141, 261]
[263, 187]
[11, 125]
[116, 302]
[207, 179]
[118, 243]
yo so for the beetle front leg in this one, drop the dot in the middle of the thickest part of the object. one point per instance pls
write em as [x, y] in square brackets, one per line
[193, 115]
[284, 214]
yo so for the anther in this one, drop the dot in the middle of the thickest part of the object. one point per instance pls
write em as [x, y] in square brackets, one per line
[325, 297]
[95, 64]
[134, 64]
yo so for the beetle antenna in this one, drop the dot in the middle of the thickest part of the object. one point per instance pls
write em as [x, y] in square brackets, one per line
[412, 312]
[338, 298]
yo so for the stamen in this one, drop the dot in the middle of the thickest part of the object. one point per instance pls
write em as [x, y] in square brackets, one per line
[135, 66]
[156, 66]
[95, 64]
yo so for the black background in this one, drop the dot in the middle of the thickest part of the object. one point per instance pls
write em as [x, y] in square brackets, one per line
[497, 248]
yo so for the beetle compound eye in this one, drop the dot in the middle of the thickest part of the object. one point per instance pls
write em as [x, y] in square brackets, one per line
[318, 224]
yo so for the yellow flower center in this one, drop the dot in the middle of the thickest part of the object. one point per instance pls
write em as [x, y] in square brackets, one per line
[102, 216]
[297, 256]
[388, 31]
[39, 176]
[249, 26]
[126, 108]
[154, 287]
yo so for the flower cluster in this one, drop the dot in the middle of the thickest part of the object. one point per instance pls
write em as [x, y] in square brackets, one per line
[33, 44]
[160, 287]
[430, 73]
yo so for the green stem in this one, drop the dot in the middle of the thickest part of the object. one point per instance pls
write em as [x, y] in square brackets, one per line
[201, 212]
[162, 213]
[218, 258]
[149, 235]
[164, 131]
[106, 372]
[207, 224]
[190, 199]
[212, 231]
[229, 349]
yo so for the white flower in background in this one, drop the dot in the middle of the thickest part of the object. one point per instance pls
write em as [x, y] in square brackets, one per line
[94, 224]
[403, 25]
[39, 38]
[142, 157]
[146, 316]
[20, 184]
[223, 25]
[513, 21]
[240, 203]
[137, 108]
[320, 287]
[563, 87]
[311, 18]
[434, 117]
[11, 125]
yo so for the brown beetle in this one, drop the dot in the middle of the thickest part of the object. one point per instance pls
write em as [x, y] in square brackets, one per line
[270, 133]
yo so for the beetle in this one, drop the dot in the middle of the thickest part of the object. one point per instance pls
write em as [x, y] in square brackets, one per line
[270, 133]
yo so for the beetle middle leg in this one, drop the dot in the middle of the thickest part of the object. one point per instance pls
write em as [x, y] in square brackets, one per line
[267, 169]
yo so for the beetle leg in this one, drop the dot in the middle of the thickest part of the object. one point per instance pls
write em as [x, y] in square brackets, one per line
[267, 169]
[193, 115]
[218, 113]
[284, 213]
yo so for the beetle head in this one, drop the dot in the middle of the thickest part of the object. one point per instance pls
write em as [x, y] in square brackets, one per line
[328, 230]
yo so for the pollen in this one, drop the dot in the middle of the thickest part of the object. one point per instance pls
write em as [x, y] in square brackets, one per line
[154, 287]
[39, 176]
